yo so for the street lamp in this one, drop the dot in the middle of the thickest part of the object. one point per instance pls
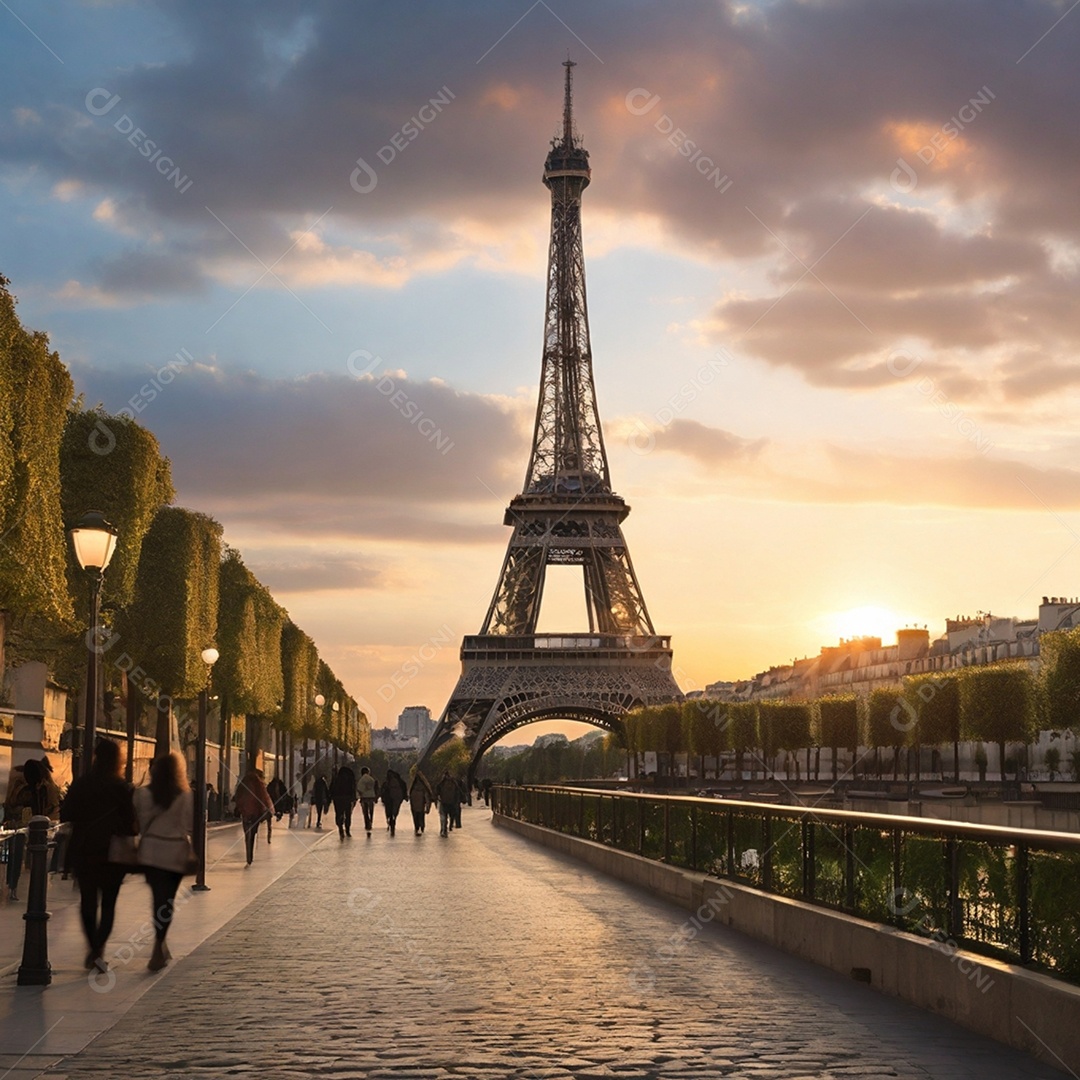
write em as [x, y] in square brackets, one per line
[94, 541]
[333, 727]
[320, 701]
[209, 658]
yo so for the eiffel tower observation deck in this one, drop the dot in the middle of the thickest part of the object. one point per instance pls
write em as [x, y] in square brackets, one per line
[567, 514]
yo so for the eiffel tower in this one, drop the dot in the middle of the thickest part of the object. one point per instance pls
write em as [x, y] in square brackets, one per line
[567, 515]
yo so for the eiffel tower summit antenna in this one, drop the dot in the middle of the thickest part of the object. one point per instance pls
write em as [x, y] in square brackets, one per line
[568, 104]
[566, 515]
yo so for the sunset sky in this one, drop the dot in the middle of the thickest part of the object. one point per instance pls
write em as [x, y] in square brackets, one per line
[833, 252]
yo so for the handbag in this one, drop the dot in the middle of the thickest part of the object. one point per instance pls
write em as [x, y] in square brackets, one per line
[164, 852]
[167, 853]
[123, 850]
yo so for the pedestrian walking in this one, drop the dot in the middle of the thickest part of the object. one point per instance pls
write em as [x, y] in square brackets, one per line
[279, 795]
[449, 794]
[463, 796]
[99, 807]
[485, 787]
[166, 813]
[368, 789]
[344, 798]
[252, 805]
[26, 798]
[393, 795]
[420, 797]
[320, 799]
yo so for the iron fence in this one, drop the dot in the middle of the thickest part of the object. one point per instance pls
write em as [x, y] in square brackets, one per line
[1007, 893]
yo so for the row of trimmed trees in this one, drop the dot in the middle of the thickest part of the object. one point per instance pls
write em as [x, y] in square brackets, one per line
[998, 704]
[172, 589]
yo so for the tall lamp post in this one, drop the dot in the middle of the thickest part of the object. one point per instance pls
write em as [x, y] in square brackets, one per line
[209, 658]
[334, 723]
[320, 701]
[94, 541]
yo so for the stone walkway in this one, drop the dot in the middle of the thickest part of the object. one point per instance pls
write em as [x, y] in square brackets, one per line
[482, 956]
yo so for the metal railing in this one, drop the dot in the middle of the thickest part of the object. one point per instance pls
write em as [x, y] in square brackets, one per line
[1007, 893]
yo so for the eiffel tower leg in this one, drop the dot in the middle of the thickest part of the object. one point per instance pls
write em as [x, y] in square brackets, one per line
[516, 604]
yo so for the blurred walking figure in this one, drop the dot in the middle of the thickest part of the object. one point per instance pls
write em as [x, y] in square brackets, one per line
[31, 793]
[344, 796]
[166, 812]
[420, 797]
[464, 795]
[368, 788]
[485, 787]
[253, 803]
[449, 799]
[279, 795]
[393, 795]
[320, 799]
[99, 806]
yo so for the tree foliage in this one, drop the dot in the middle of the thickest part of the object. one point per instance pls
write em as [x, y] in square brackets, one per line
[112, 464]
[704, 726]
[35, 391]
[250, 628]
[838, 722]
[887, 718]
[174, 615]
[1059, 676]
[784, 725]
[998, 705]
[300, 666]
[934, 701]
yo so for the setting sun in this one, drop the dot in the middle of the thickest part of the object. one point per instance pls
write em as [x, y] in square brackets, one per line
[866, 621]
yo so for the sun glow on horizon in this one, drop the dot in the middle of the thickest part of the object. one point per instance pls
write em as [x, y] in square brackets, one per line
[868, 620]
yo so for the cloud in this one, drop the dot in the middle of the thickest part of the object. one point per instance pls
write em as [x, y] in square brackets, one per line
[269, 116]
[286, 571]
[818, 472]
[327, 455]
[707, 445]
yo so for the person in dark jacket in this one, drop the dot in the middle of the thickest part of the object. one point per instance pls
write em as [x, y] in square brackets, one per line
[320, 799]
[393, 795]
[420, 799]
[449, 802]
[344, 797]
[99, 806]
[279, 793]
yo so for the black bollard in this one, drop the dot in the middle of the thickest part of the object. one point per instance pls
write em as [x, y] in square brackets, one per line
[35, 969]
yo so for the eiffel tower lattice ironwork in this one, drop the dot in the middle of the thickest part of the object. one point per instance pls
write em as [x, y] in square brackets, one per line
[567, 514]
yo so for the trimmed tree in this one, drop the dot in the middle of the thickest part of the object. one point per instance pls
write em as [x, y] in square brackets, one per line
[704, 729]
[248, 675]
[174, 614]
[742, 732]
[1059, 679]
[35, 391]
[112, 464]
[838, 725]
[888, 718]
[997, 704]
[300, 668]
[934, 700]
[784, 725]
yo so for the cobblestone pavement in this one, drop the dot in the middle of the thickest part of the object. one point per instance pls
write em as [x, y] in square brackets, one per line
[482, 956]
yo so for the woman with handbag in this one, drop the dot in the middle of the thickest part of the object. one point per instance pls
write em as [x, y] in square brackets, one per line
[99, 807]
[166, 812]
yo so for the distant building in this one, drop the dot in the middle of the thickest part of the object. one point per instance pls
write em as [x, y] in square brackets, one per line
[863, 664]
[415, 724]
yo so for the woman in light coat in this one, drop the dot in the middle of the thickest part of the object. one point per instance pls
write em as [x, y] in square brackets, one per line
[166, 812]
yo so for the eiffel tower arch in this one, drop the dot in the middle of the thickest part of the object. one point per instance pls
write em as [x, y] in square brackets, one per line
[566, 515]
